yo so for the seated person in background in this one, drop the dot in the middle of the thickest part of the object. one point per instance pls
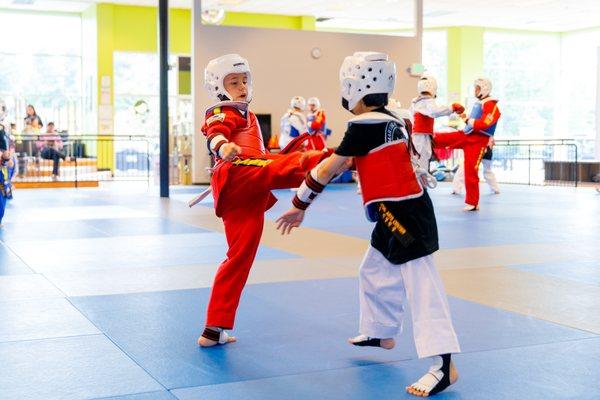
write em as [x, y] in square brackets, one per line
[51, 148]
[33, 122]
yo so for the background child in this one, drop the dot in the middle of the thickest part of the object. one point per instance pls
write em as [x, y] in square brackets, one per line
[425, 110]
[293, 122]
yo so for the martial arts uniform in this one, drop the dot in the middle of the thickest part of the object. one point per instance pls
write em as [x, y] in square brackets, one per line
[242, 194]
[425, 110]
[398, 268]
[317, 128]
[481, 125]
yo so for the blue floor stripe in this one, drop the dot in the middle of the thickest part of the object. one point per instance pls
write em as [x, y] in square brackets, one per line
[568, 371]
[283, 329]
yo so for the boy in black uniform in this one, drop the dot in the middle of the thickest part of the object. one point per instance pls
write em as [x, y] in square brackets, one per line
[398, 267]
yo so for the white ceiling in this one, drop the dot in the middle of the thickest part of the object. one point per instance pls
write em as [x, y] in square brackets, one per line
[538, 15]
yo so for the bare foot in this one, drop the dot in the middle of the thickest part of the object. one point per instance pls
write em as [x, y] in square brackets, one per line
[204, 342]
[388, 344]
[213, 336]
[433, 382]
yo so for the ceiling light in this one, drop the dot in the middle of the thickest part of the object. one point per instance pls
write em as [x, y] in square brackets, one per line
[213, 16]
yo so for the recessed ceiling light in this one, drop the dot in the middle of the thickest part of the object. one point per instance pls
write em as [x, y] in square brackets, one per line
[23, 2]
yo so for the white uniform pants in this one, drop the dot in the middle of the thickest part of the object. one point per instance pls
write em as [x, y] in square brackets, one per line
[422, 144]
[384, 290]
[489, 176]
[458, 183]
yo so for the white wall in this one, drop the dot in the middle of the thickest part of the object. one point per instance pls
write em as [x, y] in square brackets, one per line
[598, 107]
[282, 67]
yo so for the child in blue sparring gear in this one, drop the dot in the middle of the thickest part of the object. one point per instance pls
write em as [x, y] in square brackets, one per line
[398, 268]
[293, 122]
[5, 163]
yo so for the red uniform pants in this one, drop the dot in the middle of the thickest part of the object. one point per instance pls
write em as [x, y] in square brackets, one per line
[244, 197]
[473, 145]
[316, 142]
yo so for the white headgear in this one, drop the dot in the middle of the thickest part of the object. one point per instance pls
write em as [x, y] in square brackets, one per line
[314, 101]
[485, 87]
[427, 84]
[298, 102]
[366, 73]
[218, 68]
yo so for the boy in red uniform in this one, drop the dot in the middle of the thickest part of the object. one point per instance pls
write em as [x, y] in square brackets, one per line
[398, 268]
[480, 126]
[243, 178]
[317, 127]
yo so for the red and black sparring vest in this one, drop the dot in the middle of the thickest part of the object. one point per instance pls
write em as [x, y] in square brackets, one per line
[423, 124]
[249, 138]
[386, 172]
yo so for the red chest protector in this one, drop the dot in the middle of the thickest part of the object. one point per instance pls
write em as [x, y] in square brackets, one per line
[386, 174]
[423, 124]
[249, 138]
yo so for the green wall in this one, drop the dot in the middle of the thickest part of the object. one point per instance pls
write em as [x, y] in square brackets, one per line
[254, 20]
[465, 59]
[135, 29]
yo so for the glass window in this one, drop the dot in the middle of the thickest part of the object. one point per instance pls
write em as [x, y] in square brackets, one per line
[41, 33]
[136, 88]
[579, 60]
[524, 70]
[435, 60]
[41, 65]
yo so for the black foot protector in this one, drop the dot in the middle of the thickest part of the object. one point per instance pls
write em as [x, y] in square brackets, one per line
[363, 340]
[211, 334]
[445, 381]
[436, 379]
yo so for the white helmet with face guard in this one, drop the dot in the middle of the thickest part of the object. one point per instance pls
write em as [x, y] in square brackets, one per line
[314, 101]
[298, 102]
[427, 84]
[216, 71]
[485, 87]
[366, 73]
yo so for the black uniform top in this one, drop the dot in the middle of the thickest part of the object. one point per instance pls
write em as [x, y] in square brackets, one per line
[4, 141]
[416, 215]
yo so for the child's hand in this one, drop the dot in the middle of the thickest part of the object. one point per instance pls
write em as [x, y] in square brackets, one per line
[229, 151]
[458, 108]
[290, 219]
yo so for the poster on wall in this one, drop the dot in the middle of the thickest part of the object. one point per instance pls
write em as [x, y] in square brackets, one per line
[105, 109]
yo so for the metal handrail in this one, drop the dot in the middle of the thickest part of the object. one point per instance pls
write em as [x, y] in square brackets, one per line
[536, 141]
[563, 153]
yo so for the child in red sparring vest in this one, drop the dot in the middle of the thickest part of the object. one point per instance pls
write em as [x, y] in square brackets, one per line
[243, 178]
[474, 139]
[425, 110]
[398, 267]
[317, 125]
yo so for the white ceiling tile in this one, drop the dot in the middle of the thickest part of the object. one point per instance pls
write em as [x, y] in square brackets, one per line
[541, 15]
